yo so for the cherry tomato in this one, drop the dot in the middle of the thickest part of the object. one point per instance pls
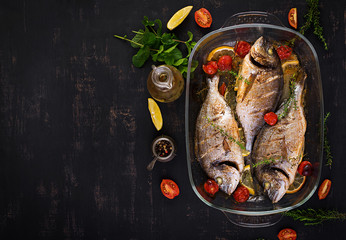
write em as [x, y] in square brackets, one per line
[292, 17]
[284, 51]
[324, 189]
[241, 194]
[305, 168]
[211, 187]
[242, 48]
[203, 18]
[222, 89]
[287, 234]
[169, 188]
[271, 118]
[225, 63]
[210, 68]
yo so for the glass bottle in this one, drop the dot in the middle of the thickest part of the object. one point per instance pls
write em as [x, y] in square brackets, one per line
[165, 83]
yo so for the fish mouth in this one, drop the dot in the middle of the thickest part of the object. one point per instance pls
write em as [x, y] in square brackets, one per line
[228, 163]
[275, 184]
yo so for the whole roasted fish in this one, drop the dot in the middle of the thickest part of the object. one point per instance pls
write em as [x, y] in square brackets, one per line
[215, 140]
[259, 89]
[281, 145]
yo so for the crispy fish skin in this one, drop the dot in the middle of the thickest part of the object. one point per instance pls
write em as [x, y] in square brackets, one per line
[260, 88]
[283, 145]
[218, 155]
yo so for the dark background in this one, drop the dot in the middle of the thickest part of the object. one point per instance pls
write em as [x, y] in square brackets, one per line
[75, 130]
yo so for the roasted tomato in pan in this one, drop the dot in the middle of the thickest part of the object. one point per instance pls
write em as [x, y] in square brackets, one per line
[241, 194]
[222, 89]
[225, 63]
[242, 48]
[169, 188]
[287, 234]
[211, 187]
[305, 168]
[271, 118]
[210, 68]
[284, 51]
[203, 18]
[324, 189]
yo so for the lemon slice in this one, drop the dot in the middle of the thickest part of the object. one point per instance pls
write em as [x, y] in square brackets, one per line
[246, 180]
[216, 53]
[178, 17]
[290, 64]
[298, 183]
[155, 114]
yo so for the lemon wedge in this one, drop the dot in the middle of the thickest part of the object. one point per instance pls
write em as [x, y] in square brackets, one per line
[216, 53]
[298, 183]
[246, 180]
[178, 17]
[155, 114]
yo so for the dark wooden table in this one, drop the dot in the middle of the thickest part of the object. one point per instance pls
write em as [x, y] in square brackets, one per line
[75, 130]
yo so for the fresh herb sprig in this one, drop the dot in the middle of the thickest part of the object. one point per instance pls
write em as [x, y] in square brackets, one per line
[225, 134]
[327, 150]
[264, 162]
[314, 217]
[162, 47]
[312, 17]
[291, 99]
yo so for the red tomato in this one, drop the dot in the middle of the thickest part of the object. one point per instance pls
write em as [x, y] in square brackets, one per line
[211, 187]
[324, 189]
[222, 89]
[241, 194]
[270, 118]
[169, 188]
[292, 17]
[242, 48]
[225, 63]
[287, 234]
[284, 51]
[305, 168]
[203, 18]
[210, 68]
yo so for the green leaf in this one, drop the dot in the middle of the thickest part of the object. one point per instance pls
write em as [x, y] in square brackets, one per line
[138, 38]
[176, 54]
[149, 38]
[167, 39]
[159, 28]
[171, 49]
[190, 36]
[169, 60]
[194, 65]
[141, 57]
[147, 23]
[178, 62]
[154, 56]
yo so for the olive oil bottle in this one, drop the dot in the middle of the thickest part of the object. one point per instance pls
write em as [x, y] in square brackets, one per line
[165, 83]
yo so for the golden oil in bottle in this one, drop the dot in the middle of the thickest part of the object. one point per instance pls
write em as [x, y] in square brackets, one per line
[165, 83]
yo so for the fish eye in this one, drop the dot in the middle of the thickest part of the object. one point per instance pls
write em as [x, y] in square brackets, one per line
[270, 51]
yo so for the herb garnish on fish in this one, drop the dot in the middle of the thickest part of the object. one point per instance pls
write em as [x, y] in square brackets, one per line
[225, 134]
[314, 217]
[287, 104]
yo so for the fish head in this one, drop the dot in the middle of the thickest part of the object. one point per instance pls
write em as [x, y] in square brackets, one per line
[275, 184]
[227, 176]
[263, 53]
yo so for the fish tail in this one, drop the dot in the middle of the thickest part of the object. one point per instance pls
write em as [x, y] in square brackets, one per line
[213, 82]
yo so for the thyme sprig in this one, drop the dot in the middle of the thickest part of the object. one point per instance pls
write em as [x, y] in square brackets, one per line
[314, 217]
[287, 104]
[265, 162]
[312, 17]
[225, 134]
[327, 150]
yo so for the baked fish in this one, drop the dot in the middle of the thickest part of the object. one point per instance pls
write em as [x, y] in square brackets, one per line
[218, 153]
[259, 89]
[281, 145]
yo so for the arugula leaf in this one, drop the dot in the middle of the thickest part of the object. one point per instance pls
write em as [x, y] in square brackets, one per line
[141, 57]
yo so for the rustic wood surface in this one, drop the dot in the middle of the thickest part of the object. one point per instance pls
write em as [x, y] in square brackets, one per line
[75, 130]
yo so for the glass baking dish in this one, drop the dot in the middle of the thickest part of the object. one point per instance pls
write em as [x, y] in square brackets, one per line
[249, 26]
